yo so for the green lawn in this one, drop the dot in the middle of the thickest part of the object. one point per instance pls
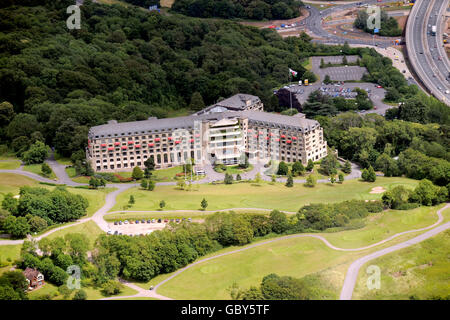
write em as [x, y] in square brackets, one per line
[10, 182]
[295, 257]
[245, 195]
[96, 198]
[9, 252]
[36, 168]
[89, 228]
[9, 165]
[234, 169]
[421, 270]
[92, 293]
[382, 225]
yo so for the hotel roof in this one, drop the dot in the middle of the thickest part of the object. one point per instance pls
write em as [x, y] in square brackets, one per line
[187, 122]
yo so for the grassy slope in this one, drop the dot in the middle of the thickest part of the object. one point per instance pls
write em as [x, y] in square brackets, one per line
[247, 196]
[295, 257]
[36, 168]
[421, 270]
[9, 165]
[89, 228]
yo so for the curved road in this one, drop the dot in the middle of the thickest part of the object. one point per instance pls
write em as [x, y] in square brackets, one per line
[111, 200]
[352, 273]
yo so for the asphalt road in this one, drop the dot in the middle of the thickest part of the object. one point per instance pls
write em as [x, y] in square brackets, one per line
[314, 24]
[353, 270]
[425, 51]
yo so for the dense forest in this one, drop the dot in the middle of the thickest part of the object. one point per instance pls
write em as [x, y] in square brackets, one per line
[245, 9]
[127, 64]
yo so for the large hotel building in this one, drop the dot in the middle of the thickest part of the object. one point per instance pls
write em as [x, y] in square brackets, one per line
[222, 133]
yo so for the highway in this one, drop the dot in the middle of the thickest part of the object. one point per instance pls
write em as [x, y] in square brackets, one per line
[314, 24]
[425, 51]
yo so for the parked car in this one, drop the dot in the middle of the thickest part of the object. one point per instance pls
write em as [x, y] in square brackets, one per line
[109, 232]
[189, 219]
[116, 232]
[115, 223]
[120, 223]
[165, 220]
[159, 220]
[125, 222]
[153, 220]
[177, 220]
[149, 221]
[137, 221]
[131, 221]
[142, 221]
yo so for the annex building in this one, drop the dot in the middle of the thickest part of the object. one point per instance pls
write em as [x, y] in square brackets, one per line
[225, 133]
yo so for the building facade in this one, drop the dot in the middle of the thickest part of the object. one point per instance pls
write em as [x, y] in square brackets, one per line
[224, 133]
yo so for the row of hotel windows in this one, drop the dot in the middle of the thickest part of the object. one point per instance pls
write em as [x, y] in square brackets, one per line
[130, 138]
[142, 132]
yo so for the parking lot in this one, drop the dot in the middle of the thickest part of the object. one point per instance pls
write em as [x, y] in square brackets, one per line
[375, 93]
[345, 73]
[141, 226]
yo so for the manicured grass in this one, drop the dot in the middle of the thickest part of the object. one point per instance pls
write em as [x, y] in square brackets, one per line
[36, 168]
[89, 228]
[382, 225]
[9, 165]
[10, 252]
[92, 293]
[294, 257]
[96, 198]
[421, 270]
[10, 182]
[234, 169]
[196, 215]
[245, 195]
[73, 175]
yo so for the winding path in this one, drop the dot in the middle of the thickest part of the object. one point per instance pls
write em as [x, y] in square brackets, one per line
[352, 272]
[110, 201]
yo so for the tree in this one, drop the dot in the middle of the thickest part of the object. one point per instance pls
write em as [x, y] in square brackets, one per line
[36, 223]
[310, 181]
[333, 178]
[290, 181]
[6, 113]
[151, 185]
[149, 167]
[341, 177]
[310, 166]
[17, 227]
[258, 178]
[329, 164]
[387, 165]
[162, 204]
[197, 103]
[327, 79]
[322, 63]
[228, 178]
[344, 60]
[80, 295]
[111, 288]
[131, 201]
[279, 221]
[181, 184]
[37, 153]
[144, 184]
[204, 204]
[428, 194]
[298, 168]
[283, 169]
[347, 167]
[369, 174]
[94, 183]
[137, 173]
[238, 177]
[46, 170]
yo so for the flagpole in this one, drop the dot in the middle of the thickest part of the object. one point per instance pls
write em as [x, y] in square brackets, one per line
[290, 92]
